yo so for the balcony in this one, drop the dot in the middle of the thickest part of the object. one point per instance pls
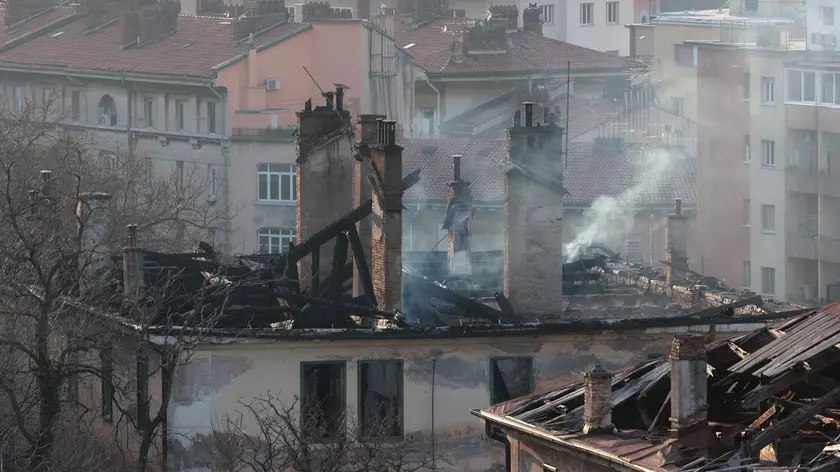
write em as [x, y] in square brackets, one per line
[263, 134]
[802, 237]
[830, 249]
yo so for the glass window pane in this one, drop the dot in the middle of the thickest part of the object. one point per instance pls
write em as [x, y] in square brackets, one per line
[286, 187]
[263, 187]
[262, 168]
[273, 187]
[810, 86]
[827, 88]
[795, 86]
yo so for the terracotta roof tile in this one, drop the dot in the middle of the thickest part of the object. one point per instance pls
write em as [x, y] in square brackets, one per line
[41, 20]
[200, 44]
[648, 178]
[527, 52]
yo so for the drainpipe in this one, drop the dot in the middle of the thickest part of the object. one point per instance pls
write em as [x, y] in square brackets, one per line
[437, 109]
[225, 156]
[819, 204]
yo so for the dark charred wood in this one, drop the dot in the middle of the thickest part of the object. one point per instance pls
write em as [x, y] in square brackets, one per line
[361, 265]
[315, 268]
[338, 264]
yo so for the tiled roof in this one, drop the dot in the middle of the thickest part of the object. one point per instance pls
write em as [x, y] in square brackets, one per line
[200, 44]
[20, 28]
[649, 178]
[527, 52]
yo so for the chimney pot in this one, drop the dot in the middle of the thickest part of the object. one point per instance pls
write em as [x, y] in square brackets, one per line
[457, 167]
[390, 132]
[529, 114]
[308, 105]
[545, 115]
[597, 401]
[678, 206]
[329, 99]
[339, 97]
[517, 119]
[132, 235]
[380, 131]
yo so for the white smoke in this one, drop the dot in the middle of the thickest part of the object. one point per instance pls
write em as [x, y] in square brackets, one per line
[609, 219]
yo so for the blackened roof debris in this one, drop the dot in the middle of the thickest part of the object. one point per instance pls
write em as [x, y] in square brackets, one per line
[773, 399]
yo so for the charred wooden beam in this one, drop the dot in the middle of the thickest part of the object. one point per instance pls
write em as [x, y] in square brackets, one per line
[346, 308]
[471, 307]
[290, 272]
[787, 380]
[345, 274]
[338, 264]
[716, 310]
[504, 304]
[342, 224]
[361, 264]
[794, 421]
[315, 268]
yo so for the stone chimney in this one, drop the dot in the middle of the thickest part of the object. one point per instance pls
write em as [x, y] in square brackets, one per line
[597, 401]
[459, 222]
[366, 135]
[20, 10]
[93, 212]
[688, 385]
[533, 216]
[134, 281]
[324, 179]
[386, 231]
[264, 14]
[677, 245]
[531, 19]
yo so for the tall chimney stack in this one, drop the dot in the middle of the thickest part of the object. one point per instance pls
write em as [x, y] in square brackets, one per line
[533, 216]
[688, 385]
[92, 211]
[366, 133]
[677, 245]
[597, 401]
[386, 231]
[458, 222]
[134, 283]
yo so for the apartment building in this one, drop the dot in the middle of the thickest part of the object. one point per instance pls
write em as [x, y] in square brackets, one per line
[203, 96]
[661, 44]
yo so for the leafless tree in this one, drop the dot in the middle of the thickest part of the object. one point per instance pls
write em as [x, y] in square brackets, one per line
[268, 435]
[64, 207]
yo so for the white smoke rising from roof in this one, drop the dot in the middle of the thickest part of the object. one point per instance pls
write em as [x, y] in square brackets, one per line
[611, 218]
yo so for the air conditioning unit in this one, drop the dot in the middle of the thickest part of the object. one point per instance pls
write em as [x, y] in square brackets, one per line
[829, 41]
[272, 84]
[807, 292]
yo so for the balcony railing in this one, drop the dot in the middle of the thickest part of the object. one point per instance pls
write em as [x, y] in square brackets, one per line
[263, 134]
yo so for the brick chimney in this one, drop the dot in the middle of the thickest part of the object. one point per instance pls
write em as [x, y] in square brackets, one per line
[93, 212]
[597, 401]
[386, 230]
[688, 385]
[20, 10]
[459, 222]
[134, 282]
[677, 245]
[144, 23]
[324, 178]
[264, 14]
[366, 135]
[531, 19]
[533, 215]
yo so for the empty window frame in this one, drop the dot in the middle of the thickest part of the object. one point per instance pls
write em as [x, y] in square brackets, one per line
[275, 240]
[830, 89]
[323, 400]
[179, 114]
[276, 183]
[381, 398]
[827, 15]
[768, 90]
[801, 86]
[510, 377]
[149, 112]
[211, 117]
[76, 105]
[747, 153]
[612, 13]
[586, 13]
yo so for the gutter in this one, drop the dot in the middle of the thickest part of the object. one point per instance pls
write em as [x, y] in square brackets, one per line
[535, 74]
[577, 448]
[437, 108]
[113, 75]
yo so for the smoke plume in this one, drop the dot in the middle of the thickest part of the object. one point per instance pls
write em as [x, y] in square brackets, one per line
[609, 218]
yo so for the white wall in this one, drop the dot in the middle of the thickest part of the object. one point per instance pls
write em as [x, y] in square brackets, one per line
[816, 13]
[600, 35]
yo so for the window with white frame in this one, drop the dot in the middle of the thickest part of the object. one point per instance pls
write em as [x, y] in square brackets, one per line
[586, 13]
[679, 106]
[827, 14]
[747, 154]
[768, 281]
[275, 240]
[768, 153]
[830, 89]
[768, 218]
[768, 90]
[276, 183]
[801, 86]
[547, 12]
[612, 13]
